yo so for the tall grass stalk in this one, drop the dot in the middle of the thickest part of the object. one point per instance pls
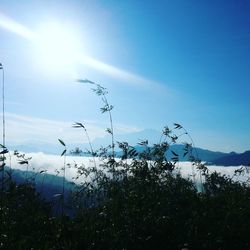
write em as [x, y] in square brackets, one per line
[101, 91]
[80, 125]
[64, 171]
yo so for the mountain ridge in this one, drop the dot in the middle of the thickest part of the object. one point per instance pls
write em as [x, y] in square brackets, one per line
[153, 136]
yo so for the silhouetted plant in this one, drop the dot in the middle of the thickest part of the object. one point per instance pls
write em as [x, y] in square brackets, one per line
[23, 160]
[101, 91]
[134, 201]
[80, 125]
[64, 171]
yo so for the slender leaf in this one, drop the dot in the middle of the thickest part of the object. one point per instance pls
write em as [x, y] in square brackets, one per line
[143, 143]
[63, 153]
[5, 151]
[175, 159]
[177, 126]
[108, 130]
[174, 153]
[78, 125]
[23, 162]
[85, 81]
[62, 142]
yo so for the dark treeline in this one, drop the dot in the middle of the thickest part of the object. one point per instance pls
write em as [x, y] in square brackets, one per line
[129, 204]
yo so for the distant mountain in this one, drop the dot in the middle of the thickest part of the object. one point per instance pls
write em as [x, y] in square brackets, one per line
[234, 159]
[202, 154]
[48, 185]
[153, 136]
[37, 146]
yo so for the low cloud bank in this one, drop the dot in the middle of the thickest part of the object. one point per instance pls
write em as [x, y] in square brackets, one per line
[53, 164]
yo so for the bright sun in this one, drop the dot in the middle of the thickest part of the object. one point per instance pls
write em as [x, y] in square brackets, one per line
[57, 46]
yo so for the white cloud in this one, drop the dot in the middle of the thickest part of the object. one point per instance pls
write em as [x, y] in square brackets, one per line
[115, 72]
[24, 128]
[188, 170]
[51, 163]
[20, 129]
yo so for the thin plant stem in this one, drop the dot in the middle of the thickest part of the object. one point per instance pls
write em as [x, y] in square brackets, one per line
[102, 92]
[80, 125]
[3, 97]
[196, 153]
[3, 121]
[90, 145]
[63, 185]
[64, 170]
[111, 127]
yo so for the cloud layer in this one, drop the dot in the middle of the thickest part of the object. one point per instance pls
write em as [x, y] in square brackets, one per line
[54, 163]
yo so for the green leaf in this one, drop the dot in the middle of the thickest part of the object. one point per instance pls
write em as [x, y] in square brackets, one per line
[175, 159]
[63, 153]
[104, 109]
[62, 142]
[132, 152]
[143, 143]
[5, 151]
[177, 126]
[174, 138]
[174, 153]
[108, 130]
[85, 81]
[78, 125]
[23, 162]
[166, 131]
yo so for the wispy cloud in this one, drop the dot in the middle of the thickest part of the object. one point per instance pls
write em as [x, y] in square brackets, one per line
[15, 27]
[110, 70]
[115, 72]
[20, 129]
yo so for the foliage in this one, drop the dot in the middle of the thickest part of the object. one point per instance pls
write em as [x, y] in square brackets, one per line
[137, 201]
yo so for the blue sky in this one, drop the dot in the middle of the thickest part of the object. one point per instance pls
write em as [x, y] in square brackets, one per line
[162, 62]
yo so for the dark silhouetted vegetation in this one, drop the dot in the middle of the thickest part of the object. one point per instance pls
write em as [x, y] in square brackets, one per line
[136, 201]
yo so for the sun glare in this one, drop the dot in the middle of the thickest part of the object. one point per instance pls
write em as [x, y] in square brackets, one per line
[57, 46]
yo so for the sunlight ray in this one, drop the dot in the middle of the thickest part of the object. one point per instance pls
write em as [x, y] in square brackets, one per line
[117, 73]
[15, 27]
[114, 71]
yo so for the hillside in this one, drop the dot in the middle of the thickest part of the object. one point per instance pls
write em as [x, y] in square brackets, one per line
[233, 159]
